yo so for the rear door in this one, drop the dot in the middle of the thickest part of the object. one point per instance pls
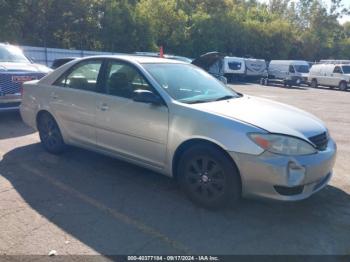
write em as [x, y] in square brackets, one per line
[73, 101]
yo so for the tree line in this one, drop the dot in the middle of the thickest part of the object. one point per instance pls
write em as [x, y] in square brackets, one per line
[278, 29]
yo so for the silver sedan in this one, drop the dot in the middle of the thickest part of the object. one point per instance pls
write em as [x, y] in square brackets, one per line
[176, 119]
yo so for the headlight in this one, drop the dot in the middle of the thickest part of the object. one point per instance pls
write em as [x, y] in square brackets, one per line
[283, 145]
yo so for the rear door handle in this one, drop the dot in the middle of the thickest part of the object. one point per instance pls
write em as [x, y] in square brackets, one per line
[104, 107]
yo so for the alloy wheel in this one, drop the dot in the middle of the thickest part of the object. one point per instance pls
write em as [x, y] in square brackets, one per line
[205, 178]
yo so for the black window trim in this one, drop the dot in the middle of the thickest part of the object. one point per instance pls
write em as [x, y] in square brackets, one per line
[73, 67]
[104, 75]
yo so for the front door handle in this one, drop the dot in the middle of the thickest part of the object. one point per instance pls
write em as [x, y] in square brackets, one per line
[104, 107]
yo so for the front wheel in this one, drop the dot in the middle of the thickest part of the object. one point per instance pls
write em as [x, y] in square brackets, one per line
[209, 177]
[50, 134]
[343, 86]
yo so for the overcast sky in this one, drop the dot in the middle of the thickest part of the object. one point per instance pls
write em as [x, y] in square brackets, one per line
[328, 3]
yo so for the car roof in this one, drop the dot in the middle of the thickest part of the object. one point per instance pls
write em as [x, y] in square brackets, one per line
[65, 58]
[329, 65]
[292, 62]
[139, 59]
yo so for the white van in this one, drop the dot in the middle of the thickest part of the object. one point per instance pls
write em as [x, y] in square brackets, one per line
[243, 68]
[289, 72]
[332, 75]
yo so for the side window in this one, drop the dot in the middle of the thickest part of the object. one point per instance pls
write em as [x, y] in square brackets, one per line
[291, 69]
[337, 70]
[123, 80]
[235, 65]
[83, 76]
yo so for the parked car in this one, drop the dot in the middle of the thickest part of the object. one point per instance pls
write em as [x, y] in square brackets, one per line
[15, 68]
[212, 63]
[334, 61]
[331, 75]
[176, 119]
[61, 61]
[288, 72]
[174, 57]
[241, 68]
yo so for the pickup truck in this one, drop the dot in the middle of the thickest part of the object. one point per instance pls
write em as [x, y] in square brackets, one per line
[15, 69]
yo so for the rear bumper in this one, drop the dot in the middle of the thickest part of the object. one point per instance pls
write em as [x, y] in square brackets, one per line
[287, 178]
[10, 102]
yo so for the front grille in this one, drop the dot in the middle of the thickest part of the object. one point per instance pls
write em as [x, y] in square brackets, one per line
[8, 86]
[320, 141]
[9, 105]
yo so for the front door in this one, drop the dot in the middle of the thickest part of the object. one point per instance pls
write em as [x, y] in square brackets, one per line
[336, 77]
[134, 130]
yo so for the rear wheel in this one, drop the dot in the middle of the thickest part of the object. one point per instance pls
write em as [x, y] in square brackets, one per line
[50, 134]
[343, 86]
[209, 177]
[314, 83]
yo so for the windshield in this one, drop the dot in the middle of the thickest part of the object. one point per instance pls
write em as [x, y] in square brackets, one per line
[188, 83]
[12, 54]
[302, 68]
[346, 69]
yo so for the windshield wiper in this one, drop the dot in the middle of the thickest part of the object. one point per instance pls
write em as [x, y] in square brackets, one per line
[198, 101]
[210, 100]
[225, 97]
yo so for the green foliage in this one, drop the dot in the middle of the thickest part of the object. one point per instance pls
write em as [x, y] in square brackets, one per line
[279, 29]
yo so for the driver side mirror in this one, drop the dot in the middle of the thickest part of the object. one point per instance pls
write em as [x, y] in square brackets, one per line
[146, 96]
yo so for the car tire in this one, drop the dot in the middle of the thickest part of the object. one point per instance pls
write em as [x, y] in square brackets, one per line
[209, 177]
[343, 86]
[314, 83]
[267, 81]
[50, 134]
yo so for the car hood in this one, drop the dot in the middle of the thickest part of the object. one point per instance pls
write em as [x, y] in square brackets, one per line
[207, 60]
[24, 67]
[269, 115]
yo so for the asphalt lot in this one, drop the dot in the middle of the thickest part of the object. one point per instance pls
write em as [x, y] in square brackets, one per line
[85, 203]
